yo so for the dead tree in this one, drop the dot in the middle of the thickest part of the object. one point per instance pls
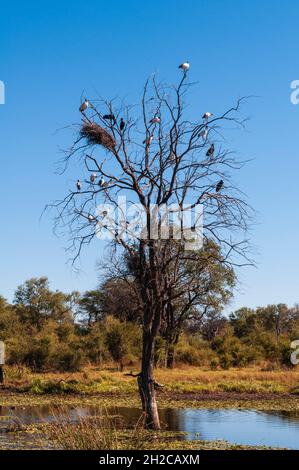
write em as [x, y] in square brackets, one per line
[2, 362]
[156, 163]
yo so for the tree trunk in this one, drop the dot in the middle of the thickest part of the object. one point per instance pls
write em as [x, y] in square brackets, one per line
[170, 356]
[1, 375]
[146, 384]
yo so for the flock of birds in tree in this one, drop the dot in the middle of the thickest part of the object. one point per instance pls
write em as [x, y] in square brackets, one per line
[155, 120]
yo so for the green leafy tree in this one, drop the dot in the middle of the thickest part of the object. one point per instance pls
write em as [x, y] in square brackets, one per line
[35, 303]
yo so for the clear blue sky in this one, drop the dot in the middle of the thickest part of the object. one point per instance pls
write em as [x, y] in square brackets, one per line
[53, 51]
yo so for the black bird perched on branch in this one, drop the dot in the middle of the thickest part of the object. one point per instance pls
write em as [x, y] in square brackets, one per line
[211, 151]
[109, 117]
[219, 186]
[122, 124]
[79, 185]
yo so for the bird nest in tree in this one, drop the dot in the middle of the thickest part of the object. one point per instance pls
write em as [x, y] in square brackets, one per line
[95, 134]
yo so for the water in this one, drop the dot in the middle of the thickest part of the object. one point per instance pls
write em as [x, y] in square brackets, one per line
[271, 428]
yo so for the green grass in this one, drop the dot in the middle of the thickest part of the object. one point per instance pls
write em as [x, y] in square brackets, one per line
[192, 380]
[43, 387]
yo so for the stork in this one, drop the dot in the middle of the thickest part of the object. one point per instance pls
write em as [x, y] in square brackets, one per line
[203, 134]
[84, 106]
[155, 120]
[148, 140]
[207, 115]
[184, 66]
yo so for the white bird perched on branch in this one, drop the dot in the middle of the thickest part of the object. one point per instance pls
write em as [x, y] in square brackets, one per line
[84, 106]
[206, 116]
[203, 134]
[148, 140]
[91, 218]
[93, 177]
[79, 185]
[184, 66]
[155, 120]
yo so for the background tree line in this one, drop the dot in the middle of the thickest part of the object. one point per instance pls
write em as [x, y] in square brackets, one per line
[51, 330]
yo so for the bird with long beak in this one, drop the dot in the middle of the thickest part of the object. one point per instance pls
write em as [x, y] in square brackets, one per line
[219, 186]
[207, 116]
[93, 177]
[79, 185]
[210, 152]
[184, 66]
[84, 106]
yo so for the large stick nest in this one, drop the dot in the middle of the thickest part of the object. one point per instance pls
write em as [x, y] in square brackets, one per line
[95, 134]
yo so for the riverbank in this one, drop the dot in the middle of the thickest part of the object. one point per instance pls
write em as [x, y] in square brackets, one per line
[189, 388]
[182, 388]
[223, 400]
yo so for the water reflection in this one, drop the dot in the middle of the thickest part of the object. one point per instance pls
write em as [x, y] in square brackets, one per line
[269, 428]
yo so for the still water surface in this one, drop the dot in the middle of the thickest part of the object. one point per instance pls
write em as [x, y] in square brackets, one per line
[271, 428]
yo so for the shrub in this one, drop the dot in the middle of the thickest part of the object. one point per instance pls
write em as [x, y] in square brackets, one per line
[232, 352]
[194, 351]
